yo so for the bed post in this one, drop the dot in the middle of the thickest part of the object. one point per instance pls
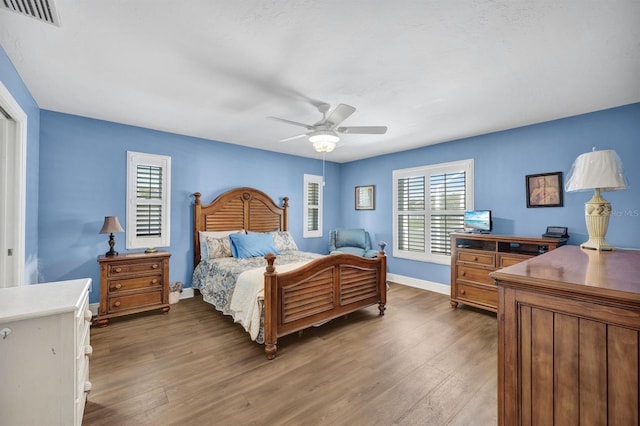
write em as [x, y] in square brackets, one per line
[197, 226]
[382, 283]
[285, 217]
[270, 308]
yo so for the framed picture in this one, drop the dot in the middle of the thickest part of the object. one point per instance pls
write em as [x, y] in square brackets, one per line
[544, 190]
[365, 197]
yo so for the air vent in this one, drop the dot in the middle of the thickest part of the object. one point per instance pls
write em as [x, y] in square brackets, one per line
[42, 10]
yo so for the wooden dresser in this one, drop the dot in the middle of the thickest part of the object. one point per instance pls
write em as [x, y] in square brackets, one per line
[474, 256]
[569, 339]
[132, 283]
[44, 353]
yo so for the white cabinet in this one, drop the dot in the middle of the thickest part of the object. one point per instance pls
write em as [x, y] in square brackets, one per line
[44, 353]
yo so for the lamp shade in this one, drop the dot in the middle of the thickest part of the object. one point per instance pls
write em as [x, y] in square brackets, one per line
[596, 169]
[111, 225]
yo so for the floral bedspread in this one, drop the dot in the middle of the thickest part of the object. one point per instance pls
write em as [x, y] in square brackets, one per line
[216, 278]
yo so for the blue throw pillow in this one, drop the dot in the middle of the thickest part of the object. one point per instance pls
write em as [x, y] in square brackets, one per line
[251, 245]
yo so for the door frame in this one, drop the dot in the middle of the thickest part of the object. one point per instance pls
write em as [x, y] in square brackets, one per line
[15, 197]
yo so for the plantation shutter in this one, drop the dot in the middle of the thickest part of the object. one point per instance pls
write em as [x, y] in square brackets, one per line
[149, 201]
[411, 214]
[448, 203]
[312, 216]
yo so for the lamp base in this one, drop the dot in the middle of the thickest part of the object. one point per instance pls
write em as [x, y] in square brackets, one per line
[596, 213]
[111, 252]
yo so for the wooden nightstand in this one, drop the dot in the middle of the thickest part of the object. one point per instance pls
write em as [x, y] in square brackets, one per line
[132, 283]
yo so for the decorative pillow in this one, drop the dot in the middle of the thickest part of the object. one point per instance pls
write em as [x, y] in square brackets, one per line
[209, 242]
[283, 241]
[251, 245]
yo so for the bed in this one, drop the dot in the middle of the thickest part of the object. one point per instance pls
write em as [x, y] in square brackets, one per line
[294, 290]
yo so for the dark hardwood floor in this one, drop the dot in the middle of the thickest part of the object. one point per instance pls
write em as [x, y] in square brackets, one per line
[423, 363]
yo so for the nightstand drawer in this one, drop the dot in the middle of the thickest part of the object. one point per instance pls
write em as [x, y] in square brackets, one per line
[135, 268]
[116, 286]
[139, 300]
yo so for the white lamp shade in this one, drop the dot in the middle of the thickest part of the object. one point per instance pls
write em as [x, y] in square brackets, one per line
[596, 169]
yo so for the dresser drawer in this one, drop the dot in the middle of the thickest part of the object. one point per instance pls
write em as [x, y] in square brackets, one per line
[505, 260]
[140, 300]
[485, 259]
[486, 296]
[477, 275]
[116, 286]
[122, 268]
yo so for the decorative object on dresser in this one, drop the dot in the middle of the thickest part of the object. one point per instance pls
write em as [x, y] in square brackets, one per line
[474, 256]
[44, 352]
[568, 338]
[132, 283]
[307, 289]
[111, 225]
[600, 171]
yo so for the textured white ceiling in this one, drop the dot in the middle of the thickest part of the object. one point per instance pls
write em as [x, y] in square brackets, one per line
[432, 71]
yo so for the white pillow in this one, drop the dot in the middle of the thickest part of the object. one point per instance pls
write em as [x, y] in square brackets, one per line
[213, 245]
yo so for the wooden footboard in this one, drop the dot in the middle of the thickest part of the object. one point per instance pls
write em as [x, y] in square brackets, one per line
[322, 290]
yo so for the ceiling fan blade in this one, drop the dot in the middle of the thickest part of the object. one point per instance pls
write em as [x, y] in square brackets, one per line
[295, 123]
[293, 137]
[341, 113]
[364, 130]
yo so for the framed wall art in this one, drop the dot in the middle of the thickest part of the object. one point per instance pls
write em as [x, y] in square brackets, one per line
[365, 197]
[544, 190]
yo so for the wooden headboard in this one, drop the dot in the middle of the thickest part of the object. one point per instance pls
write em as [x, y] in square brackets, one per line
[240, 208]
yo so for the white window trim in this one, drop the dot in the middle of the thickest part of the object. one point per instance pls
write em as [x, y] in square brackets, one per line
[426, 171]
[134, 159]
[319, 181]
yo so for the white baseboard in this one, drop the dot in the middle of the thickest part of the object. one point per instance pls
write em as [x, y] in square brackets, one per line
[422, 284]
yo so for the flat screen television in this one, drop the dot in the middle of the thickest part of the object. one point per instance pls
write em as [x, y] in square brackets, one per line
[478, 221]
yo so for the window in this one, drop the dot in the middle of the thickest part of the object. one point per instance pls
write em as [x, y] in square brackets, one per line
[312, 206]
[428, 204]
[148, 200]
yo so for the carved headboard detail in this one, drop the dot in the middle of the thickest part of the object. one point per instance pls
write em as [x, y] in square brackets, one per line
[240, 208]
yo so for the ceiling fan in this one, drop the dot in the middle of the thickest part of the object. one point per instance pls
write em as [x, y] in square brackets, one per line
[324, 133]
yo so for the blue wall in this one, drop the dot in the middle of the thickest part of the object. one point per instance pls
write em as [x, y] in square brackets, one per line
[19, 91]
[83, 179]
[501, 161]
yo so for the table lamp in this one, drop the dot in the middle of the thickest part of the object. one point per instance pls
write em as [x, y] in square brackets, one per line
[600, 171]
[110, 226]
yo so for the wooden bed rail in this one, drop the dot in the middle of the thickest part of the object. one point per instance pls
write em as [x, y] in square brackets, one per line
[322, 290]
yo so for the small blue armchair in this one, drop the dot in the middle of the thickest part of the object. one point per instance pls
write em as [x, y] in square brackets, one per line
[352, 241]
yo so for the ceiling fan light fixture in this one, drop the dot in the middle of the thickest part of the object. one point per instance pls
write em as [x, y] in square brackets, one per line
[324, 140]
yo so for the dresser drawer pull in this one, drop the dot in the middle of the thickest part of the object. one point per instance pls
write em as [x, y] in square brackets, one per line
[475, 258]
[87, 315]
[117, 303]
[118, 285]
[88, 350]
[464, 273]
[154, 281]
[154, 266]
[87, 386]
[117, 270]
[463, 292]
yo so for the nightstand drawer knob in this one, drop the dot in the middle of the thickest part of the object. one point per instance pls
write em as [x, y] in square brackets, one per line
[154, 281]
[463, 273]
[463, 292]
[116, 304]
[88, 350]
[154, 266]
[87, 315]
[87, 386]
[475, 258]
[118, 285]
[118, 270]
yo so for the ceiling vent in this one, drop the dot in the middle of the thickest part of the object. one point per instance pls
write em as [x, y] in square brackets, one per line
[42, 10]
